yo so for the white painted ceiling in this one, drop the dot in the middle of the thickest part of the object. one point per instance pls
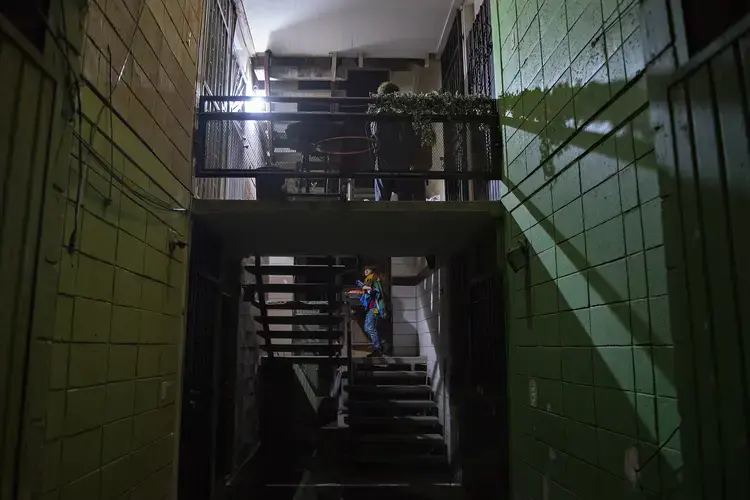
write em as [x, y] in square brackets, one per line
[376, 28]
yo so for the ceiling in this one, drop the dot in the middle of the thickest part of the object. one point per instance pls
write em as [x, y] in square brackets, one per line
[376, 28]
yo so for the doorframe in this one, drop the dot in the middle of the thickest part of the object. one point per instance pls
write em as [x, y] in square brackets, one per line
[205, 264]
[478, 263]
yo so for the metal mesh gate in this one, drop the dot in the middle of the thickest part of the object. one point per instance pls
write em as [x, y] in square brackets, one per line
[452, 68]
[479, 54]
[481, 81]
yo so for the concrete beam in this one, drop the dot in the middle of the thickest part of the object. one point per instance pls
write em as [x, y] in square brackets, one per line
[329, 227]
[291, 68]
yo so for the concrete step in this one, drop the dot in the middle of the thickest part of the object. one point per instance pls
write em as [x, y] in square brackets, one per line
[390, 407]
[309, 359]
[397, 403]
[390, 377]
[301, 319]
[431, 439]
[416, 460]
[393, 424]
[300, 348]
[380, 391]
[391, 363]
[301, 335]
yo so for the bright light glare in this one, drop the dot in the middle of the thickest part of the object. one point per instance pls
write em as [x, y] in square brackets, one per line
[255, 105]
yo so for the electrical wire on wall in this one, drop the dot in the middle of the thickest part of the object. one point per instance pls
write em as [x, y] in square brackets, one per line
[83, 171]
[85, 149]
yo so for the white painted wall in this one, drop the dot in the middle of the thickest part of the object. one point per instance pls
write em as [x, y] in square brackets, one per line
[421, 326]
[432, 325]
[407, 266]
[382, 28]
[405, 336]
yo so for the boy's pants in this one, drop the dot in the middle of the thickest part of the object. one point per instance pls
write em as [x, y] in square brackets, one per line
[371, 328]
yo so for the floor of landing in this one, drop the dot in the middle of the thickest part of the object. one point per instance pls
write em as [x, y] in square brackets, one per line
[345, 228]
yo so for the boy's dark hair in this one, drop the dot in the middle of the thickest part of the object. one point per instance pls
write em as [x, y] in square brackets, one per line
[387, 88]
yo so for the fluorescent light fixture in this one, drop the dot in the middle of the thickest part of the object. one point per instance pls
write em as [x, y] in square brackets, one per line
[255, 105]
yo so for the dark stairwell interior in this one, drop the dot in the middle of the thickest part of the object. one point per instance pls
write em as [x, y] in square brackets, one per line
[334, 424]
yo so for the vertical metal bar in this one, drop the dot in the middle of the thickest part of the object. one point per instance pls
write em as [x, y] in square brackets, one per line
[332, 299]
[200, 145]
[111, 124]
[262, 301]
[349, 349]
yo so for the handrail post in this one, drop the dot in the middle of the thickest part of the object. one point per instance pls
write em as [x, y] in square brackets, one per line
[348, 333]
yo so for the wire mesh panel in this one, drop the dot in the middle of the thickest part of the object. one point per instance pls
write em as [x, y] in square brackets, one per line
[452, 72]
[479, 54]
[452, 59]
[218, 27]
[221, 74]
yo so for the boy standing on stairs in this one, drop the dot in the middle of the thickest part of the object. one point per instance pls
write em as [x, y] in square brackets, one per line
[373, 300]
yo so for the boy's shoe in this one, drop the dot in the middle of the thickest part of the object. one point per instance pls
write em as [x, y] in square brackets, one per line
[375, 354]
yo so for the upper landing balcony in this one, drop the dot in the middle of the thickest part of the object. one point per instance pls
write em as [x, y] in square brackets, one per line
[269, 168]
[306, 148]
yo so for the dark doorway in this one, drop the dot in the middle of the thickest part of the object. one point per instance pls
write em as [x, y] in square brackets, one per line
[362, 83]
[199, 390]
[480, 374]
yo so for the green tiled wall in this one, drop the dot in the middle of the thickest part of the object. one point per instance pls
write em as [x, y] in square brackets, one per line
[590, 344]
[111, 416]
[100, 414]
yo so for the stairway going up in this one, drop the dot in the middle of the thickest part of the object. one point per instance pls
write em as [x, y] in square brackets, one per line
[307, 325]
[395, 432]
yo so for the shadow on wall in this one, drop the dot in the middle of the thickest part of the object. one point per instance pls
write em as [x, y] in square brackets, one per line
[594, 122]
[592, 353]
[288, 422]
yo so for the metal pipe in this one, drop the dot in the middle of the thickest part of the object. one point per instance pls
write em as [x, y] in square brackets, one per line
[267, 72]
[305, 99]
[293, 174]
[349, 349]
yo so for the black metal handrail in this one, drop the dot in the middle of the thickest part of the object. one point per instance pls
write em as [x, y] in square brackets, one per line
[233, 140]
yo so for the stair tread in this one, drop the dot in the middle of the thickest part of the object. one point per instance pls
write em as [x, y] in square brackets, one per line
[391, 360]
[296, 269]
[296, 305]
[301, 319]
[312, 359]
[389, 388]
[292, 287]
[399, 438]
[391, 374]
[302, 347]
[391, 459]
[410, 403]
[405, 419]
[291, 334]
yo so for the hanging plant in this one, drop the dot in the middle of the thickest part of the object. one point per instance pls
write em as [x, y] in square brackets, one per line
[423, 106]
